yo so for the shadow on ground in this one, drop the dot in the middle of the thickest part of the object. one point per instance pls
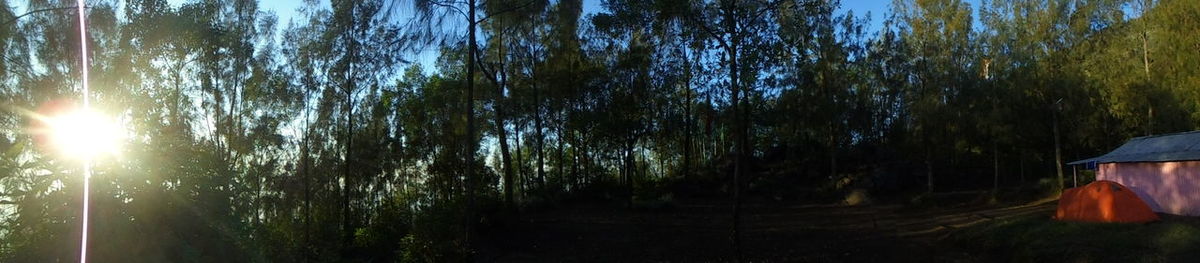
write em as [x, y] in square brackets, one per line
[700, 232]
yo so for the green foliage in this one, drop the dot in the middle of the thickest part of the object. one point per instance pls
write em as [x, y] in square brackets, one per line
[313, 139]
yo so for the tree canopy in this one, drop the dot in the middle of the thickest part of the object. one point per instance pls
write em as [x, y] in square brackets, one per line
[321, 139]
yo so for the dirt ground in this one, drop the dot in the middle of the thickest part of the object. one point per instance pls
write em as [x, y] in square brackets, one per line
[700, 232]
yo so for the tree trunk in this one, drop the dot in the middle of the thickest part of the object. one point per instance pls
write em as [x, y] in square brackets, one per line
[541, 138]
[1146, 54]
[575, 148]
[505, 158]
[1150, 119]
[629, 170]
[833, 148]
[470, 138]
[502, 130]
[347, 179]
[1146, 67]
[304, 168]
[347, 184]
[995, 167]
[928, 168]
[304, 162]
[739, 135]
[687, 118]
[1057, 151]
[1021, 165]
[520, 162]
[558, 166]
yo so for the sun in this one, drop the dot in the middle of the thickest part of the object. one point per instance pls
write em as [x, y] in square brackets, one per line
[84, 134]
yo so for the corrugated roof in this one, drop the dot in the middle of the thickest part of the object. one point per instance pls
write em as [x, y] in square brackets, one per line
[1183, 146]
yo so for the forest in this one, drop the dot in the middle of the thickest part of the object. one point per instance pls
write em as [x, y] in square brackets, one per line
[324, 138]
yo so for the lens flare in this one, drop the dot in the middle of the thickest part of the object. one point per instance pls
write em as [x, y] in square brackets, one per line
[84, 134]
[87, 166]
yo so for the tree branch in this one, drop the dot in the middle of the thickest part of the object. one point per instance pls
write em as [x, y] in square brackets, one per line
[14, 19]
[452, 7]
[488, 71]
[709, 31]
[513, 8]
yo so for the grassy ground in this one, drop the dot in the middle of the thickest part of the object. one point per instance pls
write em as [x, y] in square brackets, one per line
[1037, 238]
[699, 231]
[778, 232]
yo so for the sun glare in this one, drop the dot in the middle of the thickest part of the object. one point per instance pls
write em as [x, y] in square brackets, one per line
[84, 134]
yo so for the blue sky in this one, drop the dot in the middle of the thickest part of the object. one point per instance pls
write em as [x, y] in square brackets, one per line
[879, 10]
[876, 9]
[286, 9]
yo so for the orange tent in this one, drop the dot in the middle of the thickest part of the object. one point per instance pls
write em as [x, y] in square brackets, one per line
[1103, 201]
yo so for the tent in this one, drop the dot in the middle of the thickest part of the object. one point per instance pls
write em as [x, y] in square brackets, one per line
[1103, 201]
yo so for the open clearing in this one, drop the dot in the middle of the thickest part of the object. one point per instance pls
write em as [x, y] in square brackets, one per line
[700, 232]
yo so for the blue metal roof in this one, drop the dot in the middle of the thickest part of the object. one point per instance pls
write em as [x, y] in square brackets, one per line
[1183, 146]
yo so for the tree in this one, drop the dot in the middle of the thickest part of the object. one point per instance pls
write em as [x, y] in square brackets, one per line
[941, 34]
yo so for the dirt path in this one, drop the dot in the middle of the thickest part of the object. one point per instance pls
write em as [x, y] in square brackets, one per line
[771, 233]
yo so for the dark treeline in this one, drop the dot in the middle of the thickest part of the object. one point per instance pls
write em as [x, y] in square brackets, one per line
[320, 139]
